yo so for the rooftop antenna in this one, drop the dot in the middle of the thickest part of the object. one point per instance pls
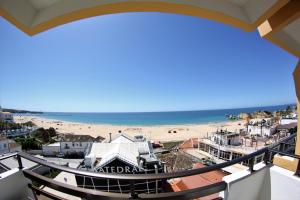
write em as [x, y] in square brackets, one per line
[109, 137]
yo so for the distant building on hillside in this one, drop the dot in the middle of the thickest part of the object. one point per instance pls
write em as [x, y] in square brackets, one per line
[123, 155]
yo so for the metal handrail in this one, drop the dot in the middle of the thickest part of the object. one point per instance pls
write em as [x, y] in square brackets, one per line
[72, 190]
[137, 177]
[8, 156]
[45, 193]
[96, 194]
[189, 194]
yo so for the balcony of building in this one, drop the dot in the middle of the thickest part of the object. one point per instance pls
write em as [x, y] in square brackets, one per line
[23, 177]
[276, 177]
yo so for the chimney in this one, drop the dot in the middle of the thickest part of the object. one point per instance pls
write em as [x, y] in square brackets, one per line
[109, 137]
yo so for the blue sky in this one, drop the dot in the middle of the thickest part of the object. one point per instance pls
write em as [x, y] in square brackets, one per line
[142, 62]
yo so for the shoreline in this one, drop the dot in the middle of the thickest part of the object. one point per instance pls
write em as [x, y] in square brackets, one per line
[128, 125]
[163, 133]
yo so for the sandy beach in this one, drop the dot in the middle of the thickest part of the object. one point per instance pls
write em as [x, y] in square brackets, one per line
[161, 133]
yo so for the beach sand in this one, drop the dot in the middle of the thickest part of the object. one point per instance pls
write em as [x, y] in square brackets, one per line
[160, 132]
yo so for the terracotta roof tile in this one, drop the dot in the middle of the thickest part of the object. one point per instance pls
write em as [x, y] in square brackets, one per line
[191, 143]
[200, 180]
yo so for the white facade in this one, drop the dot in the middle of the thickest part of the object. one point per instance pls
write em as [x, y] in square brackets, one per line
[260, 130]
[74, 147]
[268, 182]
[226, 138]
[63, 148]
[262, 127]
[51, 149]
[70, 144]
[284, 121]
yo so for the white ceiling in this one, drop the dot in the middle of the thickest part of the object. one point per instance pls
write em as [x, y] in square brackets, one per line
[247, 11]
[41, 4]
[293, 29]
[32, 13]
[239, 2]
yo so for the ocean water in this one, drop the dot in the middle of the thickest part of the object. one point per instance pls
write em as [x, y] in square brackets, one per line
[153, 118]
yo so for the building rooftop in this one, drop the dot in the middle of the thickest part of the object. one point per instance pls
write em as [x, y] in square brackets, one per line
[190, 143]
[191, 182]
[225, 132]
[77, 138]
[287, 126]
[121, 147]
[56, 144]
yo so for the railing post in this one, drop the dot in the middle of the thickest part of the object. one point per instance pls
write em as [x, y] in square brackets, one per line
[134, 195]
[251, 164]
[19, 161]
[266, 157]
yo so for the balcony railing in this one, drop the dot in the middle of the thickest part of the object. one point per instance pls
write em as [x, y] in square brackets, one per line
[283, 147]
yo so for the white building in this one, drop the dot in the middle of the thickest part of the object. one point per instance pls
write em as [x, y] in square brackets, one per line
[264, 131]
[69, 145]
[226, 138]
[122, 155]
[8, 145]
[51, 149]
[135, 151]
[261, 127]
[288, 119]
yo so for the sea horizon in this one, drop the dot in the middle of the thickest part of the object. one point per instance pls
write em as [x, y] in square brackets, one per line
[153, 118]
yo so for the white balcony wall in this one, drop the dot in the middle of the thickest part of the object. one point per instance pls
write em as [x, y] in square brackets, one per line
[269, 183]
[13, 185]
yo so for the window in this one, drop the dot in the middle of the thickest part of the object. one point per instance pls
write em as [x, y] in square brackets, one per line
[73, 144]
[225, 155]
[259, 159]
[214, 151]
[206, 148]
[236, 155]
[246, 162]
[202, 146]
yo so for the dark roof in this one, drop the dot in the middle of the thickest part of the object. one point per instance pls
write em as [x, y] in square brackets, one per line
[77, 138]
[100, 138]
[287, 126]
